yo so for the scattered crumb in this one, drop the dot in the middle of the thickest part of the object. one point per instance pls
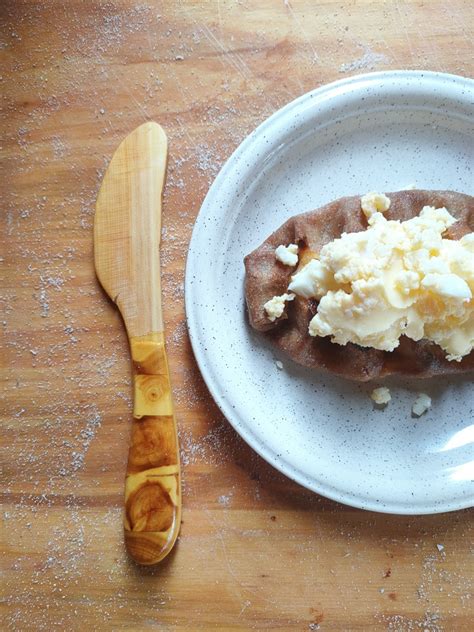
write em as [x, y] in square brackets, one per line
[381, 395]
[279, 364]
[421, 404]
[400, 623]
[368, 61]
[440, 547]
[224, 499]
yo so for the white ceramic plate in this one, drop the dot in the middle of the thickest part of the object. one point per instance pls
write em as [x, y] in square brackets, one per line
[380, 131]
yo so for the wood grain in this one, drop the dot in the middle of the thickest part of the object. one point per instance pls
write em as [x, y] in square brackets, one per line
[255, 552]
[127, 228]
[127, 232]
[152, 516]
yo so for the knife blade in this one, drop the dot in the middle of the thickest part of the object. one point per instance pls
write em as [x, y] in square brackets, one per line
[127, 231]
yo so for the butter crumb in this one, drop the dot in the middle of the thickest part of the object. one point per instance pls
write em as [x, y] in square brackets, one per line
[288, 255]
[381, 395]
[374, 203]
[276, 306]
[421, 404]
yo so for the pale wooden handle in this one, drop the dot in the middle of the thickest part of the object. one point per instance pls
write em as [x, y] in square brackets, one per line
[152, 487]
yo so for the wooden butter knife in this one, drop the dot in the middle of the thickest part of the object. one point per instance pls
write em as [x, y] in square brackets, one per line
[127, 231]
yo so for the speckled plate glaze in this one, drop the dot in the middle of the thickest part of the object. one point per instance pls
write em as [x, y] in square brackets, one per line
[380, 131]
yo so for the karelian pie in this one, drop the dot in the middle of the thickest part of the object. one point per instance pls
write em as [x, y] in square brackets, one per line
[267, 277]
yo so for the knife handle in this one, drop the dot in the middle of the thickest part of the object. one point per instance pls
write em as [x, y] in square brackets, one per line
[152, 485]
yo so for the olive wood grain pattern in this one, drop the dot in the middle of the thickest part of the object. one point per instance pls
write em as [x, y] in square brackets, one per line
[126, 239]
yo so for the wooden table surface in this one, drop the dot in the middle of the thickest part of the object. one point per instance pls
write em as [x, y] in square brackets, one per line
[256, 551]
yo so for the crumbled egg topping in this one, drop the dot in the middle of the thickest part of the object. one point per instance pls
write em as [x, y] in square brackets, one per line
[394, 278]
[371, 203]
[288, 255]
[276, 306]
[312, 280]
[421, 404]
[381, 395]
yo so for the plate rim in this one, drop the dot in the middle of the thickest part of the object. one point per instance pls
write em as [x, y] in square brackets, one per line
[316, 486]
